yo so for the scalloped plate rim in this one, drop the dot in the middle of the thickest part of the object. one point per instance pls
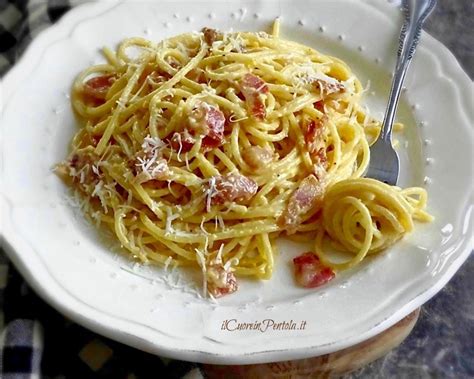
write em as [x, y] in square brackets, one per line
[77, 15]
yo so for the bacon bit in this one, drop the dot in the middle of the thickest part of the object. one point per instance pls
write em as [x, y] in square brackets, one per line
[306, 197]
[197, 75]
[240, 95]
[228, 125]
[310, 272]
[313, 134]
[95, 140]
[257, 157]
[74, 161]
[215, 121]
[319, 105]
[320, 164]
[328, 87]
[207, 121]
[97, 88]
[82, 158]
[211, 35]
[253, 89]
[174, 63]
[182, 142]
[321, 158]
[233, 187]
[252, 82]
[220, 281]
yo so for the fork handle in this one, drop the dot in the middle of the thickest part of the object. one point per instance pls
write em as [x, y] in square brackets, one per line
[416, 12]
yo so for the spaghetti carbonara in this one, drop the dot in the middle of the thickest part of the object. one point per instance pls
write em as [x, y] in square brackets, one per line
[202, 149]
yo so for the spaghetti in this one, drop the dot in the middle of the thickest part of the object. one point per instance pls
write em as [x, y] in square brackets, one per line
[202, 149]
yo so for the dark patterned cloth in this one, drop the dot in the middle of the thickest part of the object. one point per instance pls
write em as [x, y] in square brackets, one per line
[38, 342]
[21, 21]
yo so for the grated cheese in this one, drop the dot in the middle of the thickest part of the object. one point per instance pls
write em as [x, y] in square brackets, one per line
[98, 188]
[306, 74]
[178, 138]
[207, 89]
[221, 222]
[216, 45]
[206, 245]
[167, 262]
[96, 216]
[169, 219]
[169, 187]
[82, 174]
[230, 262]
[212, 298]
[236, 42]
[135, 266]
[154, 206]
[210, 192]
[367, 87]
[202, 226]
[349, 84]
[187, 161]
[152, 143]
[219, 254]
[95, 169]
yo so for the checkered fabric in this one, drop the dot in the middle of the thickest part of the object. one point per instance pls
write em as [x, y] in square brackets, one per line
[21, 21]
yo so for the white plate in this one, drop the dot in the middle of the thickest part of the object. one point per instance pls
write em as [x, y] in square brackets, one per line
[65, 261]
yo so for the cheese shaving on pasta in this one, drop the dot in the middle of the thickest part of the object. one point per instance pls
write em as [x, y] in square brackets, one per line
[202, 149]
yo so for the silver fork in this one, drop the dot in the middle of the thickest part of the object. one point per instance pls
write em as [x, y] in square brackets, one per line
[384, 163]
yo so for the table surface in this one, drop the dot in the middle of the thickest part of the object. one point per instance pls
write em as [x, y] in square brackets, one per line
[442, 343]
